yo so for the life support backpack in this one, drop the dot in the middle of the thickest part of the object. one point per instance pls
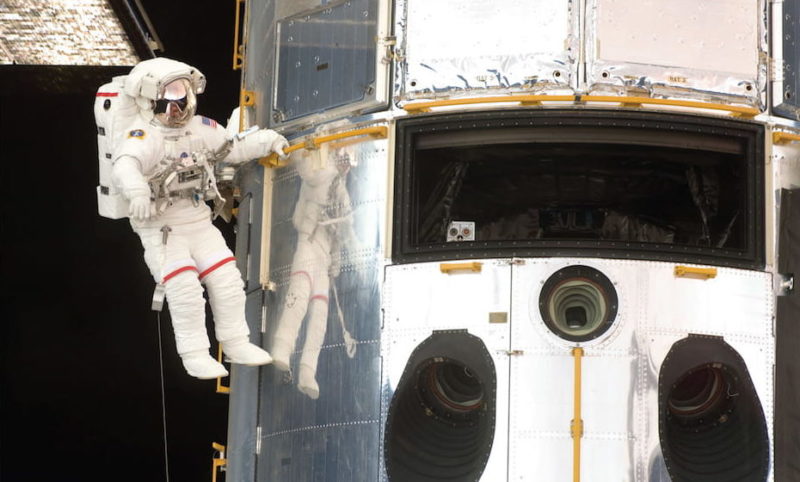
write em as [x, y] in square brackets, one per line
[114, 110]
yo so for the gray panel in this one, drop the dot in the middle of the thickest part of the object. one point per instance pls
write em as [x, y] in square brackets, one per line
[326, 59]
[244, 395]
[787, 363]
[788, 105]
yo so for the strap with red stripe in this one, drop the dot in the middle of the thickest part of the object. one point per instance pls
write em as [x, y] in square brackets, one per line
[215, 266]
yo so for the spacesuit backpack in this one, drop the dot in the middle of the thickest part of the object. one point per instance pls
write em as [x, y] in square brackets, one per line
[114, 110]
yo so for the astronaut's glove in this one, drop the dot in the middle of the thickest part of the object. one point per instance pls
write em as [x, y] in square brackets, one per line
[259, 144]
[139, 207]
[278, 145]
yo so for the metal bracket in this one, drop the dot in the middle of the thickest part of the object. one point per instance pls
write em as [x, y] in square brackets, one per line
[220, 387]
[218, 462]
[785, 284]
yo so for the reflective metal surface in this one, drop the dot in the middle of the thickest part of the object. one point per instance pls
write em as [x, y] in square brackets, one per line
[620, 368]
[418, 299]
[507, 45]
[60, 32]
[668, 49]
[335, 436]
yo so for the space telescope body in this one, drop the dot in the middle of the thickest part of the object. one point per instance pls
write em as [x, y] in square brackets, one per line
[521, 240]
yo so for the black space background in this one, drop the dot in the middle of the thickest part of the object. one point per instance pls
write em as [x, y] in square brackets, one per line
[80, 394]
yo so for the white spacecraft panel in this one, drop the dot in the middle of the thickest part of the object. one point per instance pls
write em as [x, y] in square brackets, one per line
[679, 48]
[451, 47]
[419, 299]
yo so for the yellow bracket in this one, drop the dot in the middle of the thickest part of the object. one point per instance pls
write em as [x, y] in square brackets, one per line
[217, 462]
[247, 98]
[576, 427]
[784, 137]
[450, 268]
[377, 132]
[238, 50]
[220, 387]
[697, 273]
[739, 111]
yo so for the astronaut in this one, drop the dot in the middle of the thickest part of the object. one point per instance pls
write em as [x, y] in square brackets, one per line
[182, 248]
[323, 221]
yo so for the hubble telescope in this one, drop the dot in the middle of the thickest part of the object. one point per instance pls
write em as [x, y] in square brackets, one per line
[520, 240]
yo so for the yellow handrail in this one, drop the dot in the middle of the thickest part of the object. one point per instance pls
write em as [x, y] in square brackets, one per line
[238, 55]
[576, 427]
[217, 462]
[522, 99]
[220, 387]
[448, 268]
[379, 132]
[784, 137]
[694, 272]
[416, 107]
[733, 109]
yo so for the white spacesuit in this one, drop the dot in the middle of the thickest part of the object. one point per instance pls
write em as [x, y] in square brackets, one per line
[182, 248]
[323, 221]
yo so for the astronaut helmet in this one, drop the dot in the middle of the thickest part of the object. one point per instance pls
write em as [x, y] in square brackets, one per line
[165, 90]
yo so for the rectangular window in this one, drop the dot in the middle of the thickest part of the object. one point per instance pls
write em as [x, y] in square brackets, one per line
[579, 183]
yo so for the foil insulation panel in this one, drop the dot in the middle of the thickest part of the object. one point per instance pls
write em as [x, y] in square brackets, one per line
[63, 32]
[335, 436]
[501, 46]
[667, 49]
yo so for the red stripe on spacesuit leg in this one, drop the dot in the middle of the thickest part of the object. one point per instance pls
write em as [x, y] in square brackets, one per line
[319, 297]
[215, 266]
[106, 94]
[177, 272]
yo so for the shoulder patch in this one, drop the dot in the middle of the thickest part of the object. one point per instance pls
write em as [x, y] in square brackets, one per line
[209, 122]
[137, 133]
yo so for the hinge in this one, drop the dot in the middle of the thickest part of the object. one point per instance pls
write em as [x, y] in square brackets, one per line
[390, 52]
[776, 69]
[514, 352]
[258, 440]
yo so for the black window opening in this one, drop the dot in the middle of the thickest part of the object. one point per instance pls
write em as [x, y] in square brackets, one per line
[579, 183]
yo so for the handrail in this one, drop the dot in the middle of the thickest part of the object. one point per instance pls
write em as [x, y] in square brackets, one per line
[522, 99]
[379, 132]
[695, 272]
[217, 462]
[780, 137]
[416, 107]
[449, 268]
[576, 427]
[238, 55]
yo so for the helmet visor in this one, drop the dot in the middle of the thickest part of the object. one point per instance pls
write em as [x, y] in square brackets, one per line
[176, 103]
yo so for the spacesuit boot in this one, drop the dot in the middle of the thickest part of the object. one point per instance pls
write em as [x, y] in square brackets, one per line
[294, 310]
[243, 352]
[200, 364]
[315, 336]
[306, 381]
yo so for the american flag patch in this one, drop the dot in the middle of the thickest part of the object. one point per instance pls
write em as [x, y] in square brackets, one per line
[209, 122]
